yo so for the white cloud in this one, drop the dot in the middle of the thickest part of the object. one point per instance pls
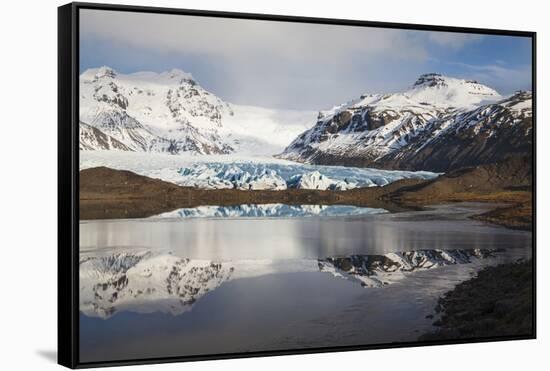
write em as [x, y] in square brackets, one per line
[241, 38]
[272, 63]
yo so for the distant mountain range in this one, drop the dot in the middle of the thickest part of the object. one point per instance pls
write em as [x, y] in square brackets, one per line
[440, 124]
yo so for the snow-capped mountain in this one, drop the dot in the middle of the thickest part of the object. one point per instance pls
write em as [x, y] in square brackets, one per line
[170, 112]
[440, 123]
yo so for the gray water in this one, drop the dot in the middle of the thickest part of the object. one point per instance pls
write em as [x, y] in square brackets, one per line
[161, 287]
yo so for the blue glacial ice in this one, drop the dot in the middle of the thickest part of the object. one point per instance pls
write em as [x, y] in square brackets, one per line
[252, 176]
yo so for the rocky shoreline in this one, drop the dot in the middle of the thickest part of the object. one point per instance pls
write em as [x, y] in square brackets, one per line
[497, 302]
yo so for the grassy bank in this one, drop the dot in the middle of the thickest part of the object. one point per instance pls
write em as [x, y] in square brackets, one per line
[507, 183]
[517, 216]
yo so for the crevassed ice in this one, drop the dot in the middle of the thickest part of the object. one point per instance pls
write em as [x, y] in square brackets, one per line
[226, 172]
[282, 176]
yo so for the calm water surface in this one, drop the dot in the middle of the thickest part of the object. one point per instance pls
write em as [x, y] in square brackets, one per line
[173, 285]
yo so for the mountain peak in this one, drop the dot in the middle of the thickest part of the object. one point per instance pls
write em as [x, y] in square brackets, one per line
[438, 89]
[430, 80]
[105, 72]
[176, 73]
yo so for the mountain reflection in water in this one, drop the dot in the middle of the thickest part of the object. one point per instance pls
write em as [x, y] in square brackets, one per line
[141, 281]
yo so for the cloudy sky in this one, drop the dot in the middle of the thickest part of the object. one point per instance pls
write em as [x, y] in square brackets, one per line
[293, 65]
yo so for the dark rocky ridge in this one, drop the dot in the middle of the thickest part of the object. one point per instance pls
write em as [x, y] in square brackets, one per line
[497, 135]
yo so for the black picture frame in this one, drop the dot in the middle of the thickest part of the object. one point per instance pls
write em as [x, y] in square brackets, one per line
[68, 179]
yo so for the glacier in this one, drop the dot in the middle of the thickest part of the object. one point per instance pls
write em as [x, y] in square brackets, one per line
[254, 176]
[245, 172]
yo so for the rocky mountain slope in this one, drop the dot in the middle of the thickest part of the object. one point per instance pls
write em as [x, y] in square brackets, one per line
[92, 138]
[440, 124]
[170, 112]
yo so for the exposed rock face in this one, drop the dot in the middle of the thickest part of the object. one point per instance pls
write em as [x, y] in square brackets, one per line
[485, 135]
[92, 138]
[438, 125]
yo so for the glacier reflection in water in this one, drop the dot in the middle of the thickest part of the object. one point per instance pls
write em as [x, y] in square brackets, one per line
[231, 239]
[269, 211]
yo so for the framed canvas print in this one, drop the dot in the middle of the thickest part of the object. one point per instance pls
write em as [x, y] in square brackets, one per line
[237, 185]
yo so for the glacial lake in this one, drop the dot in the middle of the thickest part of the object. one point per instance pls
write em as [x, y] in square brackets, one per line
[257, 278]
